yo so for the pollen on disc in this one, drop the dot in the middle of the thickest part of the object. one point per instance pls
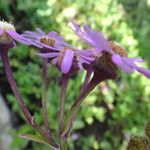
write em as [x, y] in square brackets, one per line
[48, 41]
[6, 26]
[118, 49]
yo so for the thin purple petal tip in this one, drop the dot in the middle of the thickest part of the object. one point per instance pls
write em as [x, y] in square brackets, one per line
[19, 38]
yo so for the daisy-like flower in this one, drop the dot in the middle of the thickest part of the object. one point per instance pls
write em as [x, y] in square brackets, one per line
[67, 58]
[42, 40]
[8, 34]
[111, 56]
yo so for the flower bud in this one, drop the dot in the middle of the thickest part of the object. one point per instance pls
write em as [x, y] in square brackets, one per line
[5, 38]
[147, 129]
[138, 143]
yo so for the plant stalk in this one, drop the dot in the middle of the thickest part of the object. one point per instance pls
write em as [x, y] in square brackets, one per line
[29, 118]
[64, 83]
[86, 80]
[44, 87]
[75, 107]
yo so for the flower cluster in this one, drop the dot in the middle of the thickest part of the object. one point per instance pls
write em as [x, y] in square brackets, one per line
[104, 56]
[53, 47]
[103, 59]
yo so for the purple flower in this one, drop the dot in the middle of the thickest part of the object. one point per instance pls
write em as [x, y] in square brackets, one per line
[110, 53]
[69, 59]
[42, 40]
[8, 35]
[60, 53]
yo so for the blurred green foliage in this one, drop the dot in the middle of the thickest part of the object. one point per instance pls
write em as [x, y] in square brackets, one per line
[115, 109]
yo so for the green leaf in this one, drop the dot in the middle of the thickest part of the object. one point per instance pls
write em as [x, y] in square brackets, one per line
[34, 138]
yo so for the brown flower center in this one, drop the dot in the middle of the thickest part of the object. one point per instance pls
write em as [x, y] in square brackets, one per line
[118, 49]
[48, 41]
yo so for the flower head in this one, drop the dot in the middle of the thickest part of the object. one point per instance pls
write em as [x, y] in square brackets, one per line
[8, 34]
[110, 55]
[42, 40]
[138, 143]
[69, 59]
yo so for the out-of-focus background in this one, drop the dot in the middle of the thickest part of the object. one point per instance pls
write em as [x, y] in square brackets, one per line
[115, 110]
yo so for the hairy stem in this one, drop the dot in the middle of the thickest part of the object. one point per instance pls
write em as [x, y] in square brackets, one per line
[86, 80]
[30, 120]
[44, 86]
[63, 144]
[64, 83]
[13, 86]
[75, 107]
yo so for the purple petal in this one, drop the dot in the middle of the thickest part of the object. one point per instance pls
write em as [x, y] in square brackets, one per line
[86, 57]
[134, 59]
[82, 60]
[54, 61]
[86, 52]
[59, 39]
[34, 40]
[37, 45]
[1, 32]
[18, 37]
[120, 63]
[55, 36]
[32, 33]
[67, 61]
[95, 39]
[80, 33]
[98, 38]
[42, 33]
[47, 55]
[46, 46]
[32, 36]
[52, 34]
[145, 72]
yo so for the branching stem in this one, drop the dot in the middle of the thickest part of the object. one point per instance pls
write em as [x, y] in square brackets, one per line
[29, 118]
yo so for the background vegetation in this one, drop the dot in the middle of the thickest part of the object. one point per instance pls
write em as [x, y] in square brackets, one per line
[115, 109]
